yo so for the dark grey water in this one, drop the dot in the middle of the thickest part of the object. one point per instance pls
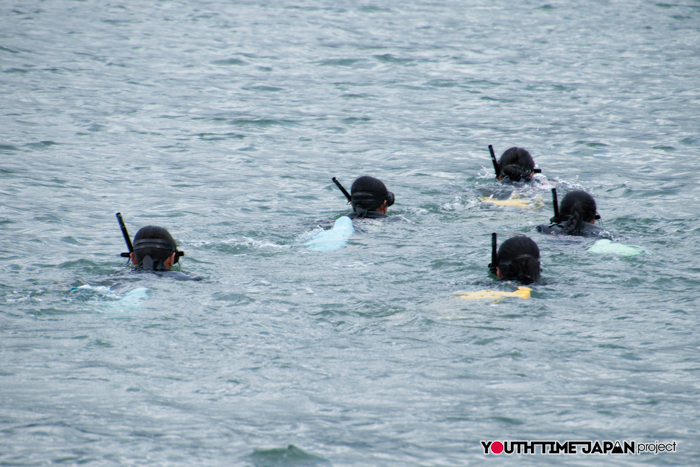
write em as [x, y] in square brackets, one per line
[225, 121]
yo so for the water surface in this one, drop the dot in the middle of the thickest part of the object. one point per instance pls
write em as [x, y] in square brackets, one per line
[225, 121]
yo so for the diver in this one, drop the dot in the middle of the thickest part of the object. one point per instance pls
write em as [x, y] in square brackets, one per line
[370, 200]
[369, 197]
[154, 250]
[518, 258]
[516, 164]
[576, 216]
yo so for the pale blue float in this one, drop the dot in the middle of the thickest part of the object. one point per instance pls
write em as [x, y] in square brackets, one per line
[606, 247]
[331, 240]
[129, 302]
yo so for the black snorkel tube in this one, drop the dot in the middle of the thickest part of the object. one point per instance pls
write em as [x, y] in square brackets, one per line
[494, 254]
[495, 162]
[555, 204]
[345, 192]
[122, 225]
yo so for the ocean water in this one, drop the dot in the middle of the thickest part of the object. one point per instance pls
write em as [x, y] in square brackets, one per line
[225, 121]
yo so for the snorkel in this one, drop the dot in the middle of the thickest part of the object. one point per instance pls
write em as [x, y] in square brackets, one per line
[345, 192]
[125, 233]
[494, 254]
[495, 162]
[555, 204]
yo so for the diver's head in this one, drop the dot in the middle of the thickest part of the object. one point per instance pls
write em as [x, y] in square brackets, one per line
[576, 208]
[370, 194]
[519, 259]
[516, 164]
[154, 249]
[579, 201]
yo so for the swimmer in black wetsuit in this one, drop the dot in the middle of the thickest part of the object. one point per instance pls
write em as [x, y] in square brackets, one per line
[518, 259]
[515, 164]
[576, 216]
[370, 198]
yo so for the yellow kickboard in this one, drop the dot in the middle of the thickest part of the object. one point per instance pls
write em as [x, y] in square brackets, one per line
[522, 292]
[515, 201]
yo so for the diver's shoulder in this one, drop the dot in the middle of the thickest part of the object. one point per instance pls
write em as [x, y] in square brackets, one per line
[179, 276]
[369, 215]
[553, 229]
[176, 275]
[587, 230]
[378, 216]
[399, 218]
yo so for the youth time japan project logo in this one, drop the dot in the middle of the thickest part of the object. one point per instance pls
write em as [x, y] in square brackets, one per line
[587, 447]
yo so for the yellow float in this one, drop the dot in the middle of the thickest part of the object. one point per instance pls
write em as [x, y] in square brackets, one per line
[515, 201]
[522, 292]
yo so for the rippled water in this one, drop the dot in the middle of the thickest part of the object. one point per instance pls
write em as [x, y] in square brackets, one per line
[225, 121]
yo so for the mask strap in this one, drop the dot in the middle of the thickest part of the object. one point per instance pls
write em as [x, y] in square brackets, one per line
[159, 244]
[366, 196]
